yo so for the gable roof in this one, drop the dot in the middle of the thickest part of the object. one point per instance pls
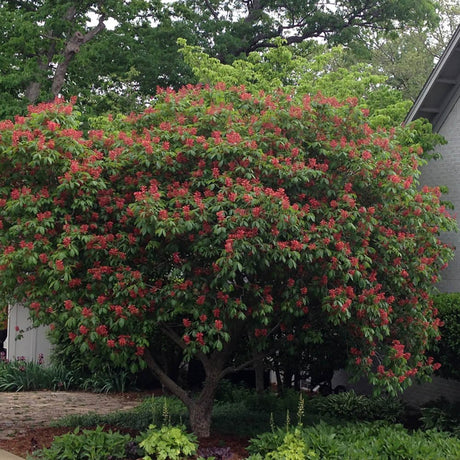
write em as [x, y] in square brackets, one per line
[442, 89]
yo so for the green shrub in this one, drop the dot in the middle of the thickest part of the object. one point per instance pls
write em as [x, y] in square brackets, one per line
[89, 444]
[168, 442]
[350, 406]
[22, 375]
[441, 415]
[447, 350]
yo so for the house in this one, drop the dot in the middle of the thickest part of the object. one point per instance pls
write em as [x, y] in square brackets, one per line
[439, 103]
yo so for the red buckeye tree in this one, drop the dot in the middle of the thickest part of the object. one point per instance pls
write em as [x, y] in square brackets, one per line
[219, 218]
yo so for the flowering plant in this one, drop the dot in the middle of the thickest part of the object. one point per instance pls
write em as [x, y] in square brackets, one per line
[219, 219]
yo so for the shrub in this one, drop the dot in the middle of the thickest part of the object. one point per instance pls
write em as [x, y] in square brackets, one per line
[350, 406]
[168, 442]
[447, 350]
[89, 444]
[22, 375]
[441, 415]
[247, 217]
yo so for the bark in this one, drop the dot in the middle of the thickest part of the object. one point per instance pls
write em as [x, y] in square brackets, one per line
[32, 92]
[200, 409]
[200, 406]
[71, 49]
[259, 375]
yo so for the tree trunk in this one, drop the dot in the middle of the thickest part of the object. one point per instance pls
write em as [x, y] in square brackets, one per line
[259, 375]
[200, 413]
[199, 407]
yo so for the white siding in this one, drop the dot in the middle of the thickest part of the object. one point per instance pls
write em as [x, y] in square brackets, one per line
[446, 171]
[34, 341]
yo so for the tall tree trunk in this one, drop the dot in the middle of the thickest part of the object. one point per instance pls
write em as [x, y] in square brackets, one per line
[71, 49]
[32, 91]
[259, 375]
[199, 407]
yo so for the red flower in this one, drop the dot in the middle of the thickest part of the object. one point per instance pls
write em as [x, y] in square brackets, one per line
[219, 325]
[201, 300]
[199, 338]
[186, 322]
[83, 329]
[102, 330]
[140, 351]
[59, 265]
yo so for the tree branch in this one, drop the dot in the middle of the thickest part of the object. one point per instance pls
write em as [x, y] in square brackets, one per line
[232, 369]
[165, 380]
[212, 10]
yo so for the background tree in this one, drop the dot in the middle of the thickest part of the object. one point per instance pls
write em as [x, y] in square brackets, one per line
[231, 28]
[220, 217]
[408, 57]
[61, 47]
[43, 39]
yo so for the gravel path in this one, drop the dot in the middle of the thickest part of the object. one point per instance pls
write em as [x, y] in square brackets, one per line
[38, 408]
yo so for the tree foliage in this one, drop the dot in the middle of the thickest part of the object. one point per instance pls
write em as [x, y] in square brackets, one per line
[220, 218]
[100, 50]
[408, 57]
[230, 28]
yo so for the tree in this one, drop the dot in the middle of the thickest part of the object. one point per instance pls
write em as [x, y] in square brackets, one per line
[409, 57]
[306, 69]
[231, 28]
[217, 219]
[52, 48]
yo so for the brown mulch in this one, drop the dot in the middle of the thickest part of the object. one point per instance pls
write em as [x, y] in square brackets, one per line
[25, 417]
[38, 438]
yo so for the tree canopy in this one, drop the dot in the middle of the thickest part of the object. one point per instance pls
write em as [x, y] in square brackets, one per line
[220, 217]
[61, 47]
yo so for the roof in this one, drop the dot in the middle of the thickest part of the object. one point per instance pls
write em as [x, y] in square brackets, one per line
[442, 89]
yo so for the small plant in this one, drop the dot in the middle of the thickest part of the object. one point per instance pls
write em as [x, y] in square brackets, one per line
[441, 415]
[89, 445]
[168, 443]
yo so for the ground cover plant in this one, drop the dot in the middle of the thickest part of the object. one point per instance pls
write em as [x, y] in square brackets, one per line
[373, 440]
[221, 225]
[316, 428]
[89, 444]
